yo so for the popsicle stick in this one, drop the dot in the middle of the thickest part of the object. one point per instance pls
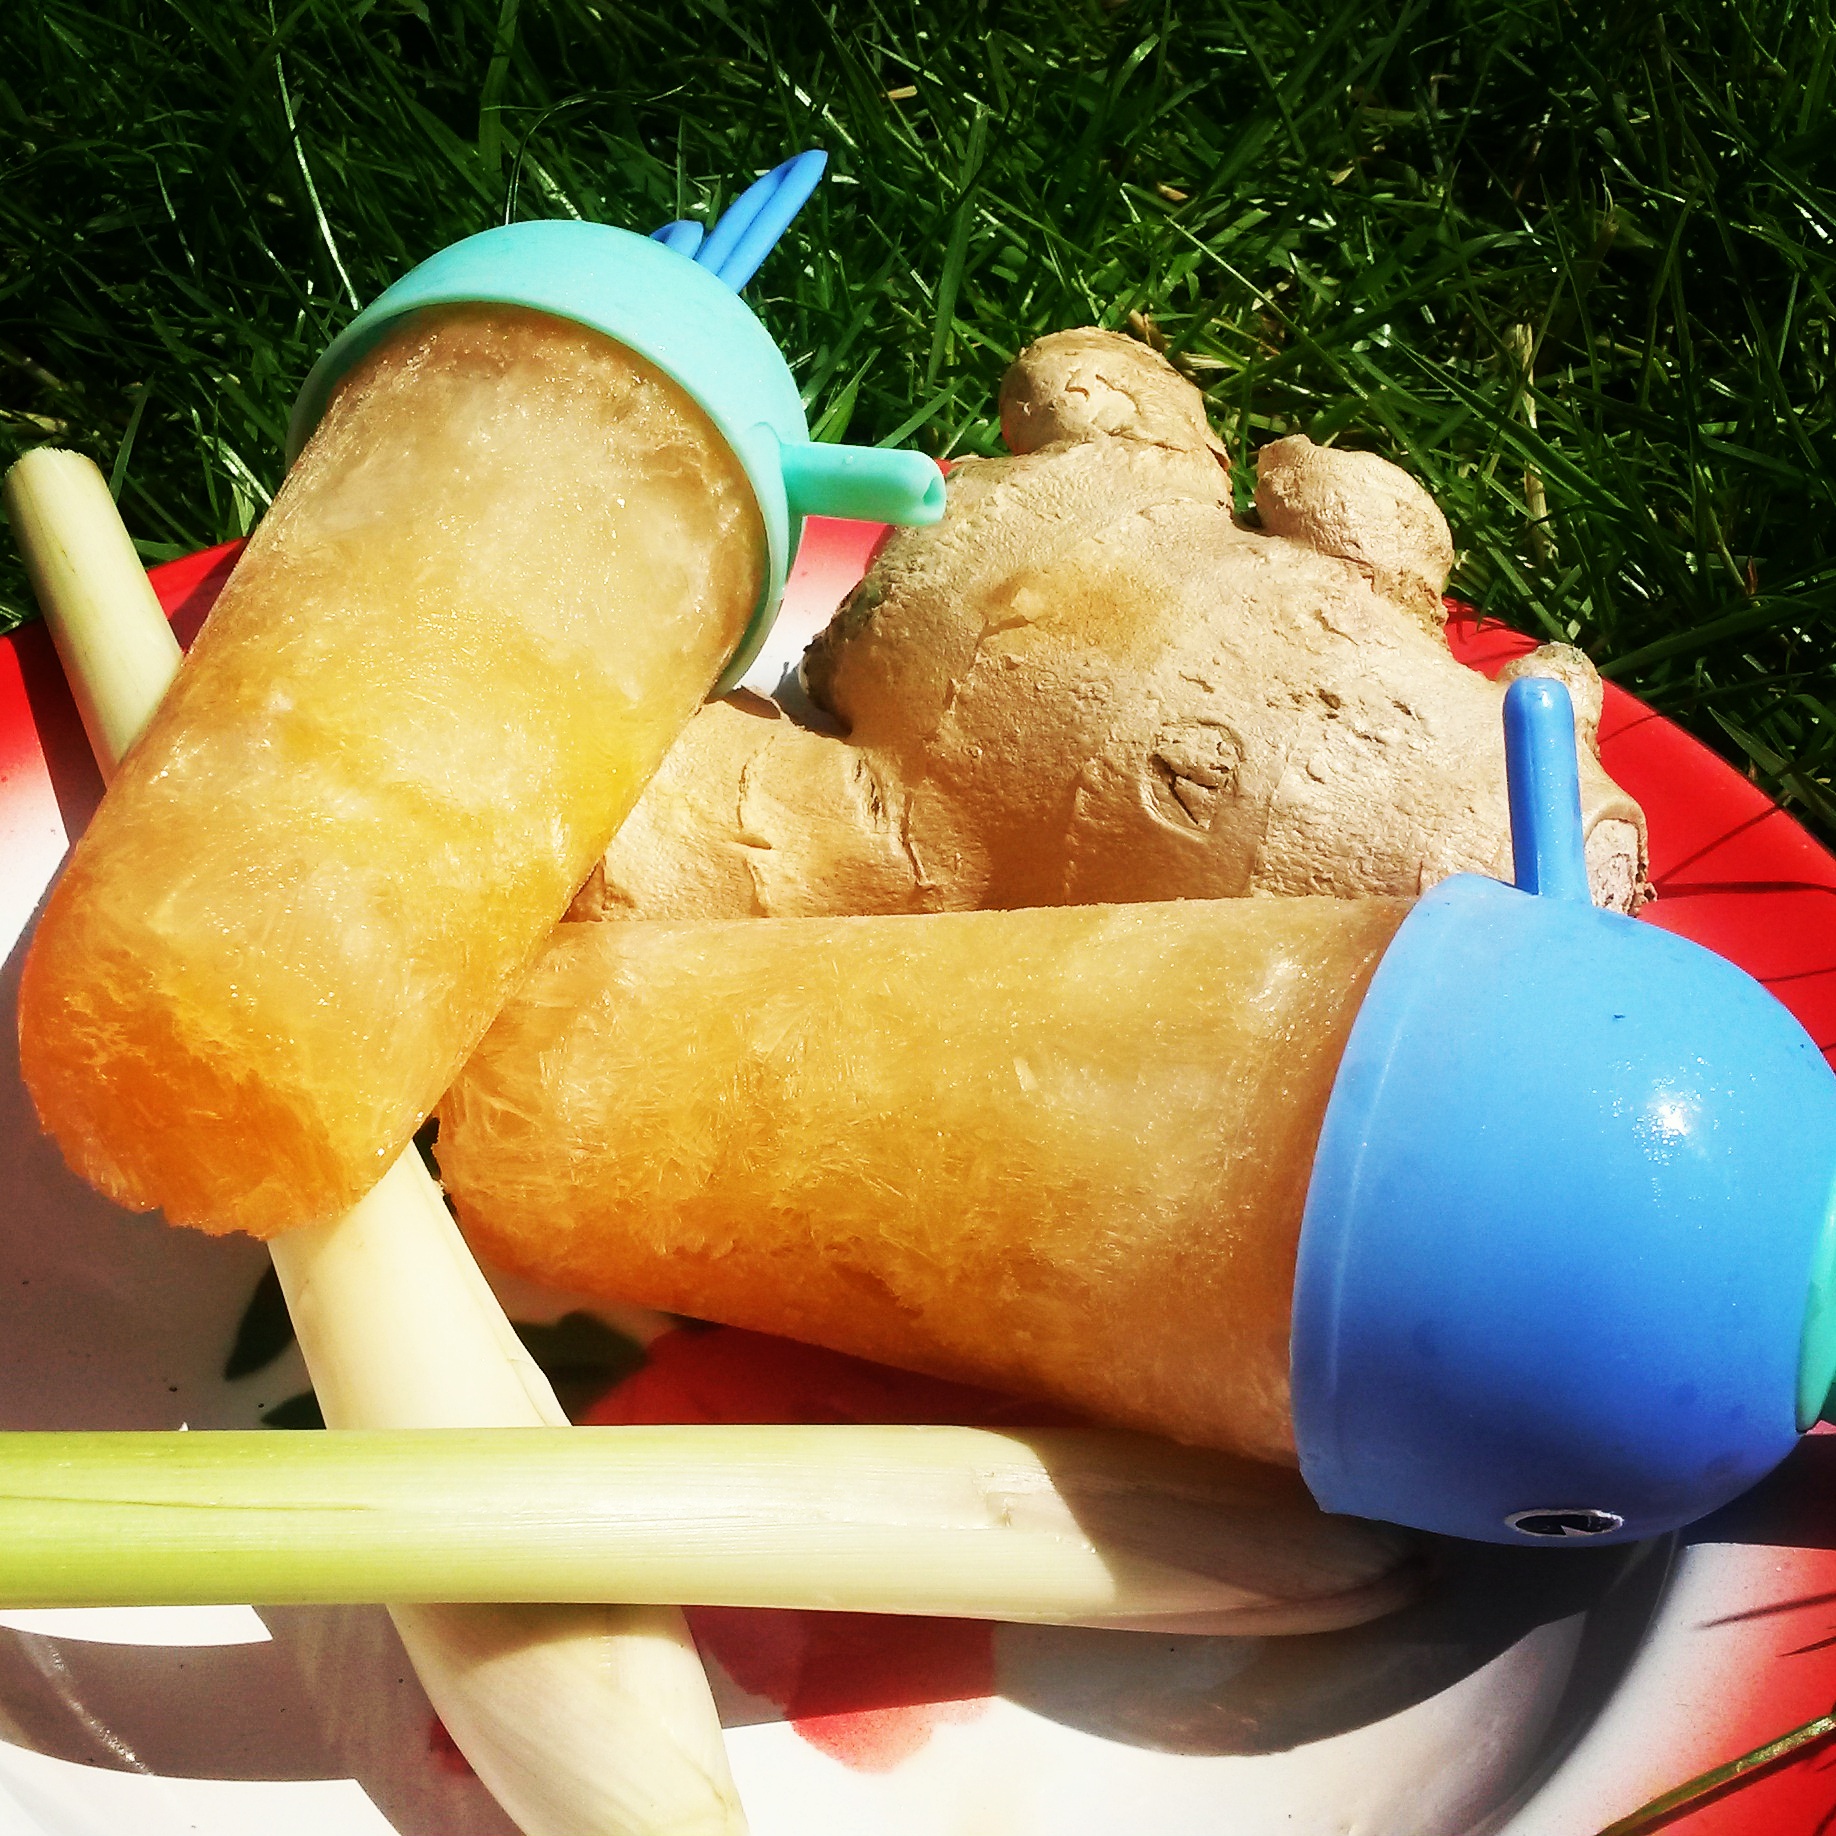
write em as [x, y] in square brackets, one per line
[582, 1721]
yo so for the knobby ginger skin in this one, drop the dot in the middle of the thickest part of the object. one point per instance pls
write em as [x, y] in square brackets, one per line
[503, 573]
[1093, 681]
[1062, 1152]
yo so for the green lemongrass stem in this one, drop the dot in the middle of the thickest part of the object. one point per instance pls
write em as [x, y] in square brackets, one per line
[581, 1721]
[1071, 1526]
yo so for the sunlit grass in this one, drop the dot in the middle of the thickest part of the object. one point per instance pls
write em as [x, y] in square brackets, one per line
[1575, 267]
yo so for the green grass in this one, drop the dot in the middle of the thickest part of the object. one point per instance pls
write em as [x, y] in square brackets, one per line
[1574, 266]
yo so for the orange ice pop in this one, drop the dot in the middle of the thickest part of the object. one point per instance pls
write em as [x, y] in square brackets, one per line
[846, 1131]
[509, 564]
[512, 558]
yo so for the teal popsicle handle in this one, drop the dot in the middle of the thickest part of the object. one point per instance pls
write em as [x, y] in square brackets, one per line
[871, 483]
[1548, 848]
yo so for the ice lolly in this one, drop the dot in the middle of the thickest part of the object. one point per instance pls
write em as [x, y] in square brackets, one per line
[1063, 1151]
[507, 567]
[1497, 1214]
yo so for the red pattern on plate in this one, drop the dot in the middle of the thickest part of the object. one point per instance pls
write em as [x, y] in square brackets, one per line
[867, 1689]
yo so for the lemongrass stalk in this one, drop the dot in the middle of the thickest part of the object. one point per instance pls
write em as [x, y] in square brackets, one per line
[399, 1326]
[579, 1718]
[1049, 1525]
[117, 650]
[582, 1721]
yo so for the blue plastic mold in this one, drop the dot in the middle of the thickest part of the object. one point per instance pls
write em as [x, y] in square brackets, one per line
[671, 298]
[1566, 1257]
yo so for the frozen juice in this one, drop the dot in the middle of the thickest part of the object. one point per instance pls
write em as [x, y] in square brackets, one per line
[507, 567]
[1059, 1151]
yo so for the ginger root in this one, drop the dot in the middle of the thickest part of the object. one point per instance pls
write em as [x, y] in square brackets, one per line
[1092, 681]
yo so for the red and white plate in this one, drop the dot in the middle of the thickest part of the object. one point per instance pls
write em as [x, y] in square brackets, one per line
[1538, 1693]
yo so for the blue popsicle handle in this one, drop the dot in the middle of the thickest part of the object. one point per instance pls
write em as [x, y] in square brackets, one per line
[1548, 847]
[684, 236]
[750, 226]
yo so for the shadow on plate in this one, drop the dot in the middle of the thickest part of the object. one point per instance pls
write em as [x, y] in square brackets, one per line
[1266, 1695]
[332, 1697]
[1794, 1507]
